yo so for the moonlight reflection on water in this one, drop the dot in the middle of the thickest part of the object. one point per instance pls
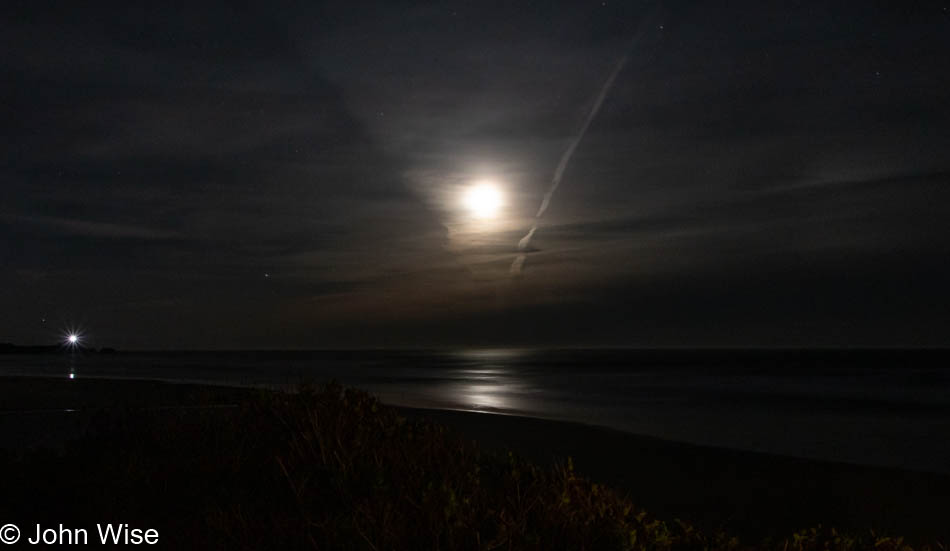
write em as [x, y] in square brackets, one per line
[485, 383]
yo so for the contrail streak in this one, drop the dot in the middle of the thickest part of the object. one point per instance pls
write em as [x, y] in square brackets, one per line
[652, 20]
[518, 263]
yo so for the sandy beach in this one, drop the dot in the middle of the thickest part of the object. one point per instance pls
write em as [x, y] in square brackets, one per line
[757, 495]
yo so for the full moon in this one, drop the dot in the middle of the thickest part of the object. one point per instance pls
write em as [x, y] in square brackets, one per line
[483, 200]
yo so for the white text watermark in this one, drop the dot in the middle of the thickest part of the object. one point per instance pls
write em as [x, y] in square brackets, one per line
[104, 534]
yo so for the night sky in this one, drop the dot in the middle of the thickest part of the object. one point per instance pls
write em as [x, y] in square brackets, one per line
[293, 175]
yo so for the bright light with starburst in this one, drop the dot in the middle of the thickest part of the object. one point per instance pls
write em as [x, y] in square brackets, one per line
[72, 339]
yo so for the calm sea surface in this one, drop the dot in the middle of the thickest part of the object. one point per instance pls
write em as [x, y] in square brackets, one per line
[879, 407]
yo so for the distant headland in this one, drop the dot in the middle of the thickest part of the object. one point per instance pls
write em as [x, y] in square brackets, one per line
[10, 348]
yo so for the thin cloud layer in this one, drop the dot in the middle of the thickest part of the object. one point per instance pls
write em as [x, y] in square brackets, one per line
[289, 175]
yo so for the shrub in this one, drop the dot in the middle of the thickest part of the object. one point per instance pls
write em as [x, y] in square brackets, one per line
[332, 468]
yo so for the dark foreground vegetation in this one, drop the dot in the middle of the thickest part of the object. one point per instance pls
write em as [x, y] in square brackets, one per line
[332, 468]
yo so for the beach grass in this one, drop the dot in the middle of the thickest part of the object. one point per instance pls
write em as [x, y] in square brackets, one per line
[328, 467]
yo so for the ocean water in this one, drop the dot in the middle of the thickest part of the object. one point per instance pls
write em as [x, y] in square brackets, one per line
[876, 407]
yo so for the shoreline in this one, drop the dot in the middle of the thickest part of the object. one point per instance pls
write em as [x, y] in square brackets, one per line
[753, 494]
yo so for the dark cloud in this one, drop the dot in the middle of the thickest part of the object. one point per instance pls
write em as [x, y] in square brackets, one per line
[203, 175]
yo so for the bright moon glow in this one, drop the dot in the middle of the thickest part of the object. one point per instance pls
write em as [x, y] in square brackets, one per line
[483, 200]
